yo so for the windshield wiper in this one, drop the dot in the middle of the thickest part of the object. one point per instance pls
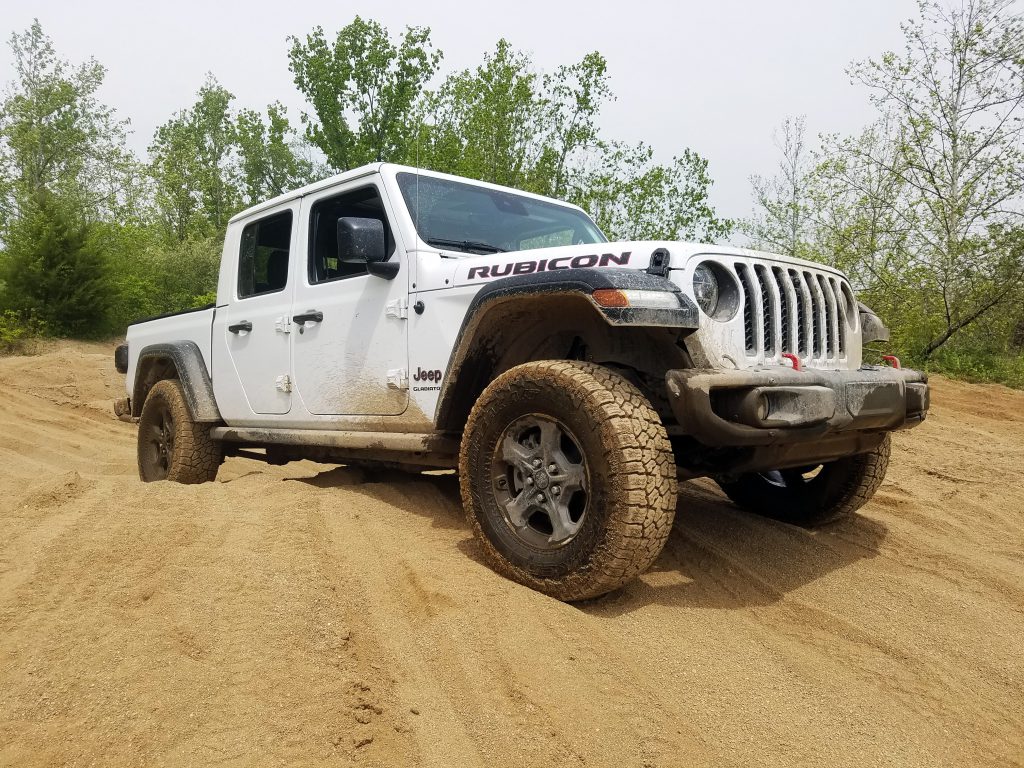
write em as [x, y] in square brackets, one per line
[465, 245]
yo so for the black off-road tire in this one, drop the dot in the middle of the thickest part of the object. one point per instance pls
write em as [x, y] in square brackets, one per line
[171, 446]
[631, 495]
[838, 490]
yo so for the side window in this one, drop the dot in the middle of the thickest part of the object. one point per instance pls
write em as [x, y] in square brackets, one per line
[263, 258]
[325, 263]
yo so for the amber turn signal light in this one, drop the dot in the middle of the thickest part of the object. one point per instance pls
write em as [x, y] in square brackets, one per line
[611, 297]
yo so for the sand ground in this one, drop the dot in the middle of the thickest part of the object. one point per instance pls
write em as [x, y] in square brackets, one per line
[308, 615]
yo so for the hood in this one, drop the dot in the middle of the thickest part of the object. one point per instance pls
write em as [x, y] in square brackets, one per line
[476, 270]
[625, 254]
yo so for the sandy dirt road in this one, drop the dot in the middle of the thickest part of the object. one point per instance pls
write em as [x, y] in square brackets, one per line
[311, 615]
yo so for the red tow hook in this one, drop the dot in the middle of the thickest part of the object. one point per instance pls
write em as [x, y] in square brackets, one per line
[796, 360]
[892, 360]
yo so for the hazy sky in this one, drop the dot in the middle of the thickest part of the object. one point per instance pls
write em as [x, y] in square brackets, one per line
[714, 76]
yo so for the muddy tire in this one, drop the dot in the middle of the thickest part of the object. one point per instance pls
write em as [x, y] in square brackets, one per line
[813, 496]
[568, 478]
[171, 445]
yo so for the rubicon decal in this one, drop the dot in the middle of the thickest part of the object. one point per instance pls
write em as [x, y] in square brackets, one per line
[547, 265]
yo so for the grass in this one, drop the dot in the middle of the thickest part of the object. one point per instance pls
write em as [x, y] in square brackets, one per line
[995, 368]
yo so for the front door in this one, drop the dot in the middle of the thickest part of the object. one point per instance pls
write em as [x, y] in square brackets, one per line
[350, 336]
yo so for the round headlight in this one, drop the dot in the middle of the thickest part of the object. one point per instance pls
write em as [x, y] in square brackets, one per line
[705, 288]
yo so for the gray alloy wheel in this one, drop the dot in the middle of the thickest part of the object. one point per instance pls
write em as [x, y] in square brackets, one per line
[541, 481]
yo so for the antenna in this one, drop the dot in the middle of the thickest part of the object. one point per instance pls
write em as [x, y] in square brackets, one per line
[419, 131]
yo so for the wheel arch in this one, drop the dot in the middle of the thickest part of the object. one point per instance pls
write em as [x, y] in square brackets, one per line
[548, 316]
[180, 360]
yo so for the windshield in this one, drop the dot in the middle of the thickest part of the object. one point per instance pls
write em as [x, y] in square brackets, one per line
[466, 217]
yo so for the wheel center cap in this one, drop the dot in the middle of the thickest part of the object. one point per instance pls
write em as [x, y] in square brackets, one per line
[541, 479]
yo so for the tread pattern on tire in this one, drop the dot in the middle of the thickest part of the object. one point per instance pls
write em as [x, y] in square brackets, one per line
[196, 456]
[861, 475]
[642, 496]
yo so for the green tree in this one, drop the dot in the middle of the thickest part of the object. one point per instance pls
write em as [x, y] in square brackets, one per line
[955, 97]
[56, 269]
[64, 173]
[634, 198]
[503, 123]
[57, 138]
[782, 207]
[151, 275]
[268, 162]
[857, 224]
[486, 122]
[364, 89]
[574, 96]
[193, 166]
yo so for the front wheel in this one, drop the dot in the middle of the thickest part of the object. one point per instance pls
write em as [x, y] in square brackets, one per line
[568, 478]
[172, 446]
[813, 495]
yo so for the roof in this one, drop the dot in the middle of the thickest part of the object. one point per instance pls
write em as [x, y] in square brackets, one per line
[316, 186]
[372, 168]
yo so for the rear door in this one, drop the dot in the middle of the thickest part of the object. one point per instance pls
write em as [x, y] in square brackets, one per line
[352, 358]
[254, 327]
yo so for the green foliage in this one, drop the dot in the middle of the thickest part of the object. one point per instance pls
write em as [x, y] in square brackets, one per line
[208, 163]
[500, 122]
[633, 198]
[955, 99]
[191, 155]
[56, 137]
[978, 365]
[364, 88]
[486, 122]
[268, 165]
[17, 333]
[922, 208]
[574, 95]
[56, 269]
[504, 124]
[156, 276]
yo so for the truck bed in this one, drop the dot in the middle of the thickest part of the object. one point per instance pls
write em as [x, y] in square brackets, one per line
[192, 325]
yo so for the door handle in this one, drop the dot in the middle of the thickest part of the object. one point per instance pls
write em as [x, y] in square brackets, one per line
[312, 316]
[245, 325]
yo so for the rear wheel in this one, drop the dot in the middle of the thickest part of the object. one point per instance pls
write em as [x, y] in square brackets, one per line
[171, 446]
[568, 478]
[813, 495]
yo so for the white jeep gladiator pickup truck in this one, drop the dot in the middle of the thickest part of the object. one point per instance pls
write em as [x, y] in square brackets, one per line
[395, 317]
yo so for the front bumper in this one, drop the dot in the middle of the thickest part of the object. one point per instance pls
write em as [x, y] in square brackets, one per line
[781, 406]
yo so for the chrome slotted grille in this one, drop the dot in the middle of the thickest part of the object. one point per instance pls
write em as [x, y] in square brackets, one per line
[794, 311]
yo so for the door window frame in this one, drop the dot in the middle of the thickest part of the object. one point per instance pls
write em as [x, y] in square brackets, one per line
[288, 211]
[354, 186]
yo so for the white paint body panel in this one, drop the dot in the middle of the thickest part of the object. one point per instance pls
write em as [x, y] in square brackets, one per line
[341, 364]
[187, 326]
[246, 381]
[340, 368]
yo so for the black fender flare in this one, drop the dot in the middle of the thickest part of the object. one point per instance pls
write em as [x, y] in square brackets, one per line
[584, 282]
[196, 383]
[581, 282]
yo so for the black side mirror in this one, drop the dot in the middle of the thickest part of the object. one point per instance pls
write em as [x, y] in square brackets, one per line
[871, 326]
[362, 241]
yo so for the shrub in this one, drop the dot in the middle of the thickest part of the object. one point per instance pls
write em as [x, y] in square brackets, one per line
[56, 270]
[17, 335]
